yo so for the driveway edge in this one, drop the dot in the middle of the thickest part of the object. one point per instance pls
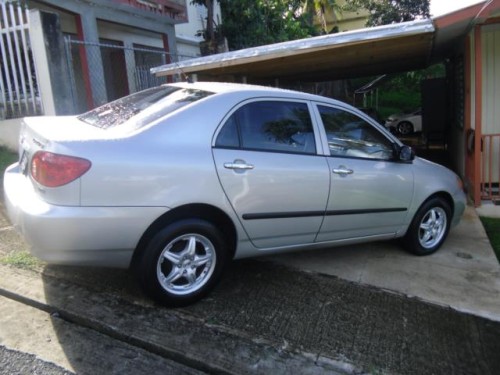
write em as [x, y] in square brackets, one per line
[162, 331]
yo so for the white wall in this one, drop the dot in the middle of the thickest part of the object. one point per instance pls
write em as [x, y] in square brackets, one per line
[491, 79]
[108, 30]
[9, 133]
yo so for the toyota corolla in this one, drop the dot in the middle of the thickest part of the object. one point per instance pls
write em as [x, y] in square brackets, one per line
[177, 180]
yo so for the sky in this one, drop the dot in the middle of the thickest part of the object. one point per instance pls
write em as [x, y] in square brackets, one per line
[440, 7]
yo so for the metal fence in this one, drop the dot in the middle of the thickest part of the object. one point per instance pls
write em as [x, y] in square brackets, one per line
[490, 167]
[18, 83]
[102, 72]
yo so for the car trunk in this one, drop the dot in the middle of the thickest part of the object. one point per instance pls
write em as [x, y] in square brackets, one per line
[53, 135]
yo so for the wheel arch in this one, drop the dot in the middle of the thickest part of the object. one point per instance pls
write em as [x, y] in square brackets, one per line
[202, 211]
[439, 194]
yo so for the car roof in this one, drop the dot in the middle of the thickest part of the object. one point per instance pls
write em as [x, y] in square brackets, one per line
[225, 87]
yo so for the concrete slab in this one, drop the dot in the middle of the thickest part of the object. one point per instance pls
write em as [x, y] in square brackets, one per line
[48, 337]
[88, 327]
[464, 274]
[488, 209]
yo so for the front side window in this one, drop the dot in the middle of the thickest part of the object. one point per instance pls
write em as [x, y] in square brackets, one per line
[351, 136]
[277, 126]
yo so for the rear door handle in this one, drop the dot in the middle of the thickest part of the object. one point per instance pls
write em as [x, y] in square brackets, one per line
[343, 171]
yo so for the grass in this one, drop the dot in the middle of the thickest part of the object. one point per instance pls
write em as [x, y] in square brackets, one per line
[16, 258]
[492, 228]
[7, 157]
[20, 259]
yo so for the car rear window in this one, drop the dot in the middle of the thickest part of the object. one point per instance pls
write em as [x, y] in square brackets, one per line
[146, 106]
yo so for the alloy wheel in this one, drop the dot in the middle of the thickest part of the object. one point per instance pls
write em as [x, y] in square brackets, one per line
[186, 264]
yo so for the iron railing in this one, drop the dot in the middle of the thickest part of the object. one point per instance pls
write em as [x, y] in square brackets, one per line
[18, 83]
[490, 167]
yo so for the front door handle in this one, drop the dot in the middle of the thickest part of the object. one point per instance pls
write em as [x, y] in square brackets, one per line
[239, 165]
[343, 171]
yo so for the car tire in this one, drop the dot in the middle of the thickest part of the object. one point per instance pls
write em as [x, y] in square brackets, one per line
[405, 128]
[429, 227]
[182, 262]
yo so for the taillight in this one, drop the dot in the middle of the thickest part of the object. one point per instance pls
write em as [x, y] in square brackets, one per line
[53, 170]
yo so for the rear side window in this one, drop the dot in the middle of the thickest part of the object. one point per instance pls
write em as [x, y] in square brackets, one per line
[146, 106]
[269, 126]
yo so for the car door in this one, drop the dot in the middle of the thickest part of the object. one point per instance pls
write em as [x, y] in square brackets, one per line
[370, 191]
[267, 162]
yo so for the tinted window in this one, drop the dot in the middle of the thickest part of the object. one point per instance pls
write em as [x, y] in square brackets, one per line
[351, 136]
[270, 126]
[229, 136]
[147, 106]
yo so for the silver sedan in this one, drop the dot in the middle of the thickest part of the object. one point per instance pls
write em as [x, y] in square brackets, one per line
[177, 180]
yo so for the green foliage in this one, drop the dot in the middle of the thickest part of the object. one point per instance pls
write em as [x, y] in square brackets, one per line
[401, 92]
[20, 259]
[403, 101]
[492, 228]
[250, 23]
[7, 157]
[383, 12]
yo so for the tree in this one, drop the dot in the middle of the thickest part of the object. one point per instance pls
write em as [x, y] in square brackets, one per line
[209, 32]
[249, 23]
[321, 9]
[383, 12]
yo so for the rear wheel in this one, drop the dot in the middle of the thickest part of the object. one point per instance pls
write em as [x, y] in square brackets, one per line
[182, 262]
[405, 128]
[429, 227]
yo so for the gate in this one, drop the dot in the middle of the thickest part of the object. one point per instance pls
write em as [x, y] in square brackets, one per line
[18, 83]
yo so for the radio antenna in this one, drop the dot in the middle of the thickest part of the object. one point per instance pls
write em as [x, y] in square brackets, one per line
[184, 75]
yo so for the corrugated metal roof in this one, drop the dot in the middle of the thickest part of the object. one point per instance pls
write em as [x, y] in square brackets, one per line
[368, 51]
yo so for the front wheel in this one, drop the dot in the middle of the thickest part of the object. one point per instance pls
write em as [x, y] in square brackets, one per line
[429, 227]
[182, 262]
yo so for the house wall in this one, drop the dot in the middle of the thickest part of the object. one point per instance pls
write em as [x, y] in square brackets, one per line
[470, 158]
[458, 74]
[491, 79]
[109, 30]
[482, 156]
[343, 20]
[490, 109]
[108, 73]
[126, 17]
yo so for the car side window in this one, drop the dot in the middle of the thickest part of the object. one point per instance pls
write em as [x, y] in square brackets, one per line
[277, 126]
[350, 136]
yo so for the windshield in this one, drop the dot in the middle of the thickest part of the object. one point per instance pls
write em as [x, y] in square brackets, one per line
[146, 106]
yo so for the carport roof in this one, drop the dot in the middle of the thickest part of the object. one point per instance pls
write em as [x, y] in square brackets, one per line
[361, 52]
[364, 52]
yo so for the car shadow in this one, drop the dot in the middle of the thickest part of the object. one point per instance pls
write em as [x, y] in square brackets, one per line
[287, 308]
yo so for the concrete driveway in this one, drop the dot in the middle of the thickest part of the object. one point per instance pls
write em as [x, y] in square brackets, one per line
[464, 274]
[282, 315]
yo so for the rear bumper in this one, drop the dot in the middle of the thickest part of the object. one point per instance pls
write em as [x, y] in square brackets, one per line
[73, 235]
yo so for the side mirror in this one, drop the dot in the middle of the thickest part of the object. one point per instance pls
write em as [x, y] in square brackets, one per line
[405, 154]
